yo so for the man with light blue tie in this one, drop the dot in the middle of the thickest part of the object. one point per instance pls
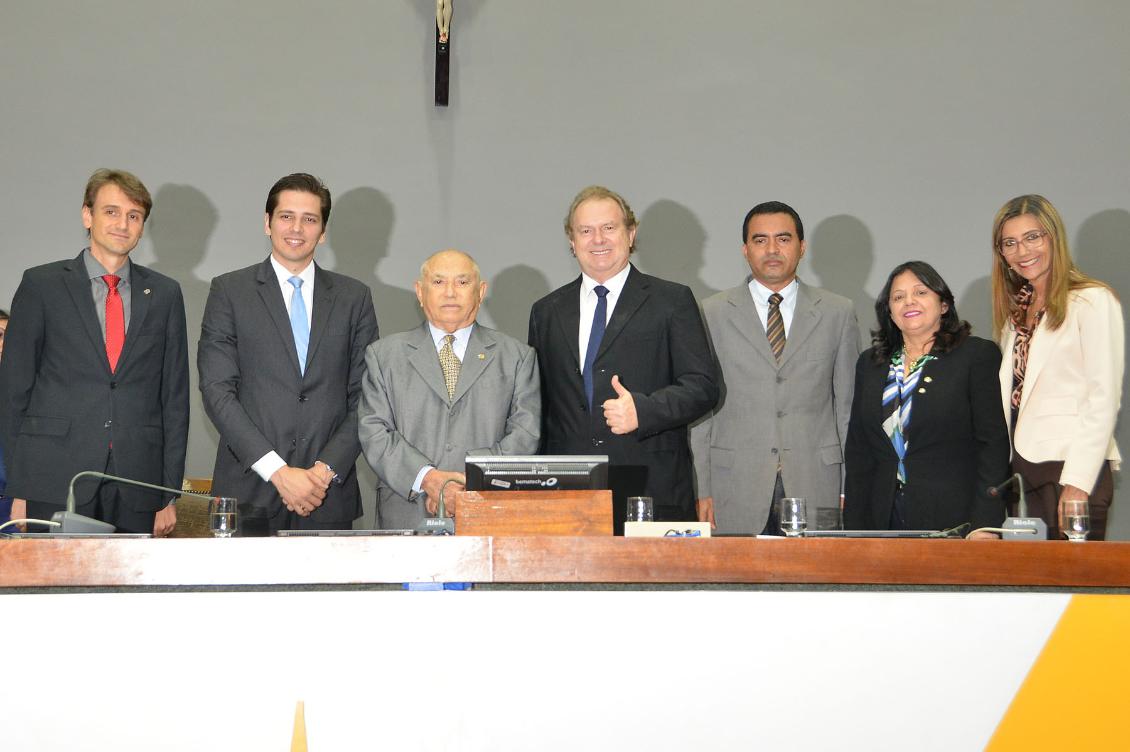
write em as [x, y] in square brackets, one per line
[281, 359]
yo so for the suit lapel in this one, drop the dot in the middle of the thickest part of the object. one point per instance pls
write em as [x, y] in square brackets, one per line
[806, 316]
[480, 352]
[569, 317]
[271, 295]
[636, 291]
[743, 317]
[425, 360]
[139, 306]
[1039, 348]
[1006, 373]
[78, 285]
[325, 295]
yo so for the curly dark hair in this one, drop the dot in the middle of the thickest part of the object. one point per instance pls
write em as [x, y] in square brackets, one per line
[887, 339]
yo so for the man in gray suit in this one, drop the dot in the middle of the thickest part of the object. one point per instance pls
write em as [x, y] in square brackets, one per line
[437, 393]
[787, 353]
[281, 355]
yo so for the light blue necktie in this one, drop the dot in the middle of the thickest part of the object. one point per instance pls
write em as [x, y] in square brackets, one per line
[299, 324]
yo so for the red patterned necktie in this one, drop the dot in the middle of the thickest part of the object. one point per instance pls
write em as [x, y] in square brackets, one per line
[115, 321]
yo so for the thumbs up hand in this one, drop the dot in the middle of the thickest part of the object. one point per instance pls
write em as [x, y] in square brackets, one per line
[620, 413]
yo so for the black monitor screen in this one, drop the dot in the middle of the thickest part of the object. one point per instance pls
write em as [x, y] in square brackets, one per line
[530, 473]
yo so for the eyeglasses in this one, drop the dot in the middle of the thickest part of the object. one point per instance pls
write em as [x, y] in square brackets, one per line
[1033, 241]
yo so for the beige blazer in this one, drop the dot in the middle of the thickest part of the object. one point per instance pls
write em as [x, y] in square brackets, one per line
[1072, 388]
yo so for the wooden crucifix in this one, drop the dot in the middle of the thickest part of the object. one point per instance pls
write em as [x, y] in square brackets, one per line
[443, 49]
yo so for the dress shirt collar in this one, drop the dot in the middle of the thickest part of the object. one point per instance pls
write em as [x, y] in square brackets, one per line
[761, 293]
[284, 274]
[95, 270]
[614, 285]
[462, 337]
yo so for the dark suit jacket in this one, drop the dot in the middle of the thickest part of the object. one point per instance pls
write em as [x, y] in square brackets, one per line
[61, 407]
[657, 343]
[259, 401]
[957, 444]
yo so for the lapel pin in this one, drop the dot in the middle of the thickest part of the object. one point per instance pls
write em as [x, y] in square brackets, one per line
[146, 291]
[482, 356]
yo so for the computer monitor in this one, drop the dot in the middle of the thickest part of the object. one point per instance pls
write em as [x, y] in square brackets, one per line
[491, 472]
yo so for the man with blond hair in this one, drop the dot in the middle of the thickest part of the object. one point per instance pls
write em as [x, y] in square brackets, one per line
[449, 388]
[95, 373]
[625, 361]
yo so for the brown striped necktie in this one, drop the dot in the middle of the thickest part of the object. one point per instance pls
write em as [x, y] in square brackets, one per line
[775, 329]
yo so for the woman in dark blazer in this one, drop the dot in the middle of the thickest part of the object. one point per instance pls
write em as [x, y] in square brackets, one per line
[927, 435]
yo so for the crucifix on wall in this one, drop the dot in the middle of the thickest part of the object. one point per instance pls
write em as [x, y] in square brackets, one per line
[443, 49]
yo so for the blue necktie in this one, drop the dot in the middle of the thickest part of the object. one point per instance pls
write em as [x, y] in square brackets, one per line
[299, 324]
[596, 334]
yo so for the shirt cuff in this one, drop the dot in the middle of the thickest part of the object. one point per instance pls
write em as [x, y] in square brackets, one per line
[418, 484]
[268, 465]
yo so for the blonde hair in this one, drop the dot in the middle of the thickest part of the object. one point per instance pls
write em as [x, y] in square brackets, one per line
[599, 192]
[1063, 275]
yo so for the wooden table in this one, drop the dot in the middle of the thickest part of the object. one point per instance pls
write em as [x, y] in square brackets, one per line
[107, 563]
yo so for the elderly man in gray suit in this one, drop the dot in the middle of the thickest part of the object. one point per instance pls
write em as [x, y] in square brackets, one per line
[437, 393]
[787, 353]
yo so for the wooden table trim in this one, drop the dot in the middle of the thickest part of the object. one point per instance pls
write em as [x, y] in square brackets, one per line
[98, 563]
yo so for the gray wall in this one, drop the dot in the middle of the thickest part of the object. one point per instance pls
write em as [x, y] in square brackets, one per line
[896, 129]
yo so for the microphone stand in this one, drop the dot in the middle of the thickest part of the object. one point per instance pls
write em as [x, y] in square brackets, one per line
[70, 521]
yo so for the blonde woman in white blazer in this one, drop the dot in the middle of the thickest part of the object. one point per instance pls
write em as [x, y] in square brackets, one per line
[1061, 373]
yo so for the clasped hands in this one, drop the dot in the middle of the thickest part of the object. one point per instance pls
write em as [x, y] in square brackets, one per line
[303, 489]
[433, 484]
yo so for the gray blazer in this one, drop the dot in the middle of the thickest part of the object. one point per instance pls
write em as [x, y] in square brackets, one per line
[794, 412]
[406, 421]
[259, 400]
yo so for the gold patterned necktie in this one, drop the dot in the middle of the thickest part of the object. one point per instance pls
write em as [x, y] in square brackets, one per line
[450, 365]
[775, 329]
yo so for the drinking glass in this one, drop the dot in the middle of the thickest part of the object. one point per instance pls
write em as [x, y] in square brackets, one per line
[640, 509]
[1075, 520]
[792, 517]
[223, 516]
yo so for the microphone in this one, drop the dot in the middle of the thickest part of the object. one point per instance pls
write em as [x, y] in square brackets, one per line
[441, 524]
[1022, 527]
[72, 522]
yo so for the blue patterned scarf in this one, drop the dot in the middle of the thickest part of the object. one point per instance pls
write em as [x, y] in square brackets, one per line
[898, 399]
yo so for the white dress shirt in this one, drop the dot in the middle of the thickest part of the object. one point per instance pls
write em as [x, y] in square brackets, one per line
[615, 286]
[761, 295]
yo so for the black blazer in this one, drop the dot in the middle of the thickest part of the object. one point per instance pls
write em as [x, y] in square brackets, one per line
[657, 343]
[957, 444]
[259, 400]
[61, 407]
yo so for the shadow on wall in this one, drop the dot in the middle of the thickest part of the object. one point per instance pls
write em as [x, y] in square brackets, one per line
[179, 231]
[841, 253]
[509, 298]
[359, 231]
[1100, 251]
[358, 235]
[975, 305]
[671, 244]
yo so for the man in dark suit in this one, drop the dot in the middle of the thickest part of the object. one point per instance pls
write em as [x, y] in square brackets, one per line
[625, 362]
[95, 373]
[281, 358]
